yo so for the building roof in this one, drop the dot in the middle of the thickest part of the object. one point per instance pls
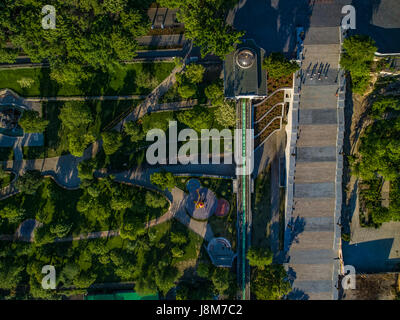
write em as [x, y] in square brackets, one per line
[243, 75]
[220, 252]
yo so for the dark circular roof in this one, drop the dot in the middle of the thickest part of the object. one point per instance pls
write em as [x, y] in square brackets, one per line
[245, 58]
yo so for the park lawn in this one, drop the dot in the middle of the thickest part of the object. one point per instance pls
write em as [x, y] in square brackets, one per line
[55, 135]
[128, 79]
[6, 153]
[262, 209]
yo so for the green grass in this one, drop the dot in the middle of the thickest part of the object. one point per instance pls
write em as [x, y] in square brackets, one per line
[6, 153]
[262, 209]
[130, 79]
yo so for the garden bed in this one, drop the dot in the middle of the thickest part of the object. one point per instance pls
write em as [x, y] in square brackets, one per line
[275, 112]
[260, 110]
[275, 125]
[284, 82]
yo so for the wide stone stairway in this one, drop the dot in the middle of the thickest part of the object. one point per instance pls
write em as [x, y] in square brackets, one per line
[311, 259]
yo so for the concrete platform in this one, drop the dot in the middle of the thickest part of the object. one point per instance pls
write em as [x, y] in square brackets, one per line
[314, 207]
[317, 135]
[316, 286]
[314, 190]
[313, 240]
[316, 154]
[322, 35]
[318, 116]
[311, 257]
[315, 172]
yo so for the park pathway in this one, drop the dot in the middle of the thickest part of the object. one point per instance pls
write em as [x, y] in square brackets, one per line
[311, 235]
[85, 98]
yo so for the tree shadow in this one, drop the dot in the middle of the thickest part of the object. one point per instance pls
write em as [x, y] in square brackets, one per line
[272, 24]
[47, 86]
[370, 256]
[379, 19]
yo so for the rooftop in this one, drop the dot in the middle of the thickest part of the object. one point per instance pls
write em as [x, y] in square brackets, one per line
[243, 75]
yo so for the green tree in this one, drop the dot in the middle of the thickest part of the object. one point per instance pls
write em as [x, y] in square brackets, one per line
[203, 270]
[86, 169]
[357, 58]
[75, 115]
[155, 200]
[197, 290]
[270, 283]
[220, 280]
[13, 213]
[133, 130]
[10, 274]
[194, 73]
[78, 142]
[29, 182]
[278, 66]
[60, 229]
[259, 257]
[30, 122]
[215, 93]
[90, 36]
[187, 90]
[225, 115]
[132, 226]
[205, 24]
[197, 118]
[164, 179]
[112, 141]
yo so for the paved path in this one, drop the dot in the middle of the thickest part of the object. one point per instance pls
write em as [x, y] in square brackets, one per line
[85, 98]
[311, 258]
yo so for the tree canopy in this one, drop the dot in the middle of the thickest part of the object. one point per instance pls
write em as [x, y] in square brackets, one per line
[89, 35]
[259, 257]
[31, 122]
[270, 283]
[278, 66]
[112, 141]
[357, 58]
[164, 179]
[206, 25]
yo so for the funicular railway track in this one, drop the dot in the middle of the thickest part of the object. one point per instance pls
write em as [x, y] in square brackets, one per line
[244, 201]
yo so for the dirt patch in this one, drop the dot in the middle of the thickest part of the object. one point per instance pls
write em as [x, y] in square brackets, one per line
[383, 286]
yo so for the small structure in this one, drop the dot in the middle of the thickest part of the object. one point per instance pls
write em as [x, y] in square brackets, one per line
[243, 75]
[220, 252]
[222, 208]
[9, 117]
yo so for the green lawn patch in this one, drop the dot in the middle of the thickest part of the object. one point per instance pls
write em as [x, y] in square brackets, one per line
[129, 79]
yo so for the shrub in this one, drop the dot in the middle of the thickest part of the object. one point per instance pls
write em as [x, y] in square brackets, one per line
[278, 66]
